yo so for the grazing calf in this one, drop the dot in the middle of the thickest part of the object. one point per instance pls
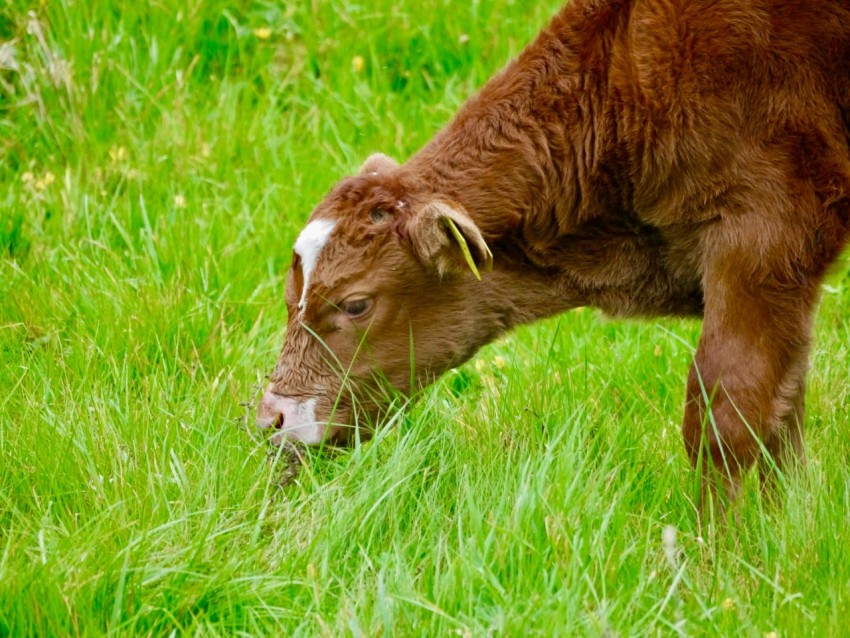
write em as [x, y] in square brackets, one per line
[675, 157]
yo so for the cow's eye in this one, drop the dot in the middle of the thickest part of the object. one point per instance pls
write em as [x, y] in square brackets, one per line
[380, 216]
[356, 307]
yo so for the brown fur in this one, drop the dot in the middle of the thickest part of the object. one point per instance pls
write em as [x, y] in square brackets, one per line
[673, 157]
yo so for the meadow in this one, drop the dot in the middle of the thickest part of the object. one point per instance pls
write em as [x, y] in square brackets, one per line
[157, 160]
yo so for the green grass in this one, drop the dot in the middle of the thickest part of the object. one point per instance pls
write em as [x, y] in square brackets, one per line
[157, 160]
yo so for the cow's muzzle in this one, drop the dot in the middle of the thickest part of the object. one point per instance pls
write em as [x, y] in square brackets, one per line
[292, 419]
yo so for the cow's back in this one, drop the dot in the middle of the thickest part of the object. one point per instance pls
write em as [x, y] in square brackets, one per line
[706, 91]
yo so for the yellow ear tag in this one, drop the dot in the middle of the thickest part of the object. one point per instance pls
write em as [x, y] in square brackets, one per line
[464, 248]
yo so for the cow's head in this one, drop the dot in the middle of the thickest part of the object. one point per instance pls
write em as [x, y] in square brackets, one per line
[378, 296]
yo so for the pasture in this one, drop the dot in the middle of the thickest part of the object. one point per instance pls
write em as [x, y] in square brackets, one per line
[157, 161]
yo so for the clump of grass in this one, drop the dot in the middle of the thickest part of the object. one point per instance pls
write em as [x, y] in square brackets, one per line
[158, 161]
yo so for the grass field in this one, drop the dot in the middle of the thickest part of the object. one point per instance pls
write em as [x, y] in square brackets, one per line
[157, 160]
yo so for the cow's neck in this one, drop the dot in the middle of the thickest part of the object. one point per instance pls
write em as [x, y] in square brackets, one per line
[518, 294]
[513, 176]
[532, 147]
[492, 160]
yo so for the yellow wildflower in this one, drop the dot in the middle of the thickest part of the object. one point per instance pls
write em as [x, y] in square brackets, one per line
[45, 180]
[117, 154]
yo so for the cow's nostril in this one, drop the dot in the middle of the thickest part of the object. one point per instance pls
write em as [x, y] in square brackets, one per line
[278, 422]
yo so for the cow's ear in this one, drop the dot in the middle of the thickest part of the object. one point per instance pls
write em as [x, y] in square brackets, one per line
[378, 164]
[445, 238]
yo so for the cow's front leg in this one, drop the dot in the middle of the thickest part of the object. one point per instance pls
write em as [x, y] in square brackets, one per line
[746, 385]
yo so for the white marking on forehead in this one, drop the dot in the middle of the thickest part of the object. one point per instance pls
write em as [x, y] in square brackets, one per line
[309, 245]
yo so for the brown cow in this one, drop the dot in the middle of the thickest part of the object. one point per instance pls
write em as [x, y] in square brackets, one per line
[673, 157]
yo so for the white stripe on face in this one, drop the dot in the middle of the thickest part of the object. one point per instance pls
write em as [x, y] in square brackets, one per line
[309, 245]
